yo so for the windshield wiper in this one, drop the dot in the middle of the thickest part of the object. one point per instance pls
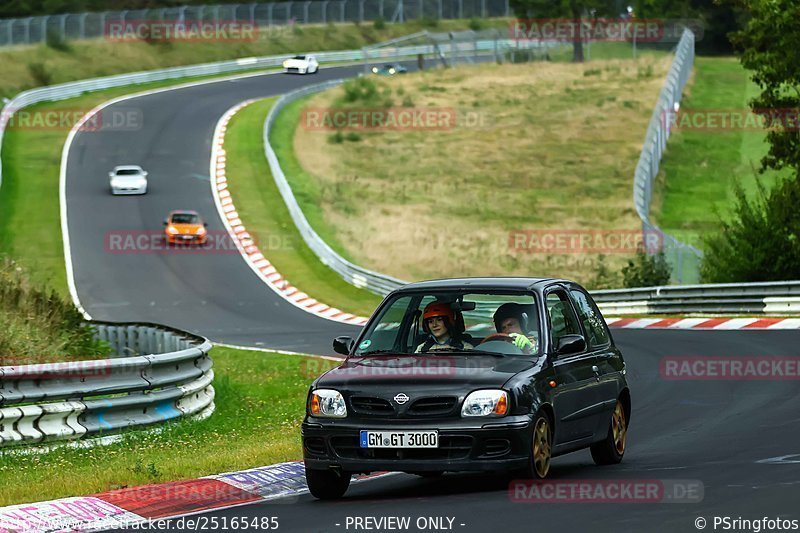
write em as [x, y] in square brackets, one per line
[377, 352]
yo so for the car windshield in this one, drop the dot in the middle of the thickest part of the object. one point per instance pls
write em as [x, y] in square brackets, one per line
[128, 172]
[472, 322]
[299, 57]
[185, 218]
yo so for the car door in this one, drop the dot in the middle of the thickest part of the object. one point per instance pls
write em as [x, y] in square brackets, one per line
[576, 392]
[607, 357]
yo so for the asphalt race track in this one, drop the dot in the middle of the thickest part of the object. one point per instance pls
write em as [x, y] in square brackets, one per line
[214, 294]
[711, 432]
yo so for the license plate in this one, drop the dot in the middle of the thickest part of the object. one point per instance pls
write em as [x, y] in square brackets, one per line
[399, 439]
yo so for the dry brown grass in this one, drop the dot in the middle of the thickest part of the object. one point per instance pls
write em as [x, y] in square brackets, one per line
[555, 147]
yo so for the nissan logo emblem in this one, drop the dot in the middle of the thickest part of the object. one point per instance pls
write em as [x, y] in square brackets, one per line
[401, 398]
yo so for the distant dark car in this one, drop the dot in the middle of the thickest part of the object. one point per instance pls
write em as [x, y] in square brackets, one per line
[389, 69]
[486, 400]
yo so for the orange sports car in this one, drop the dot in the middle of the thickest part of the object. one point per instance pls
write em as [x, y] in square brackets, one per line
[185, 227]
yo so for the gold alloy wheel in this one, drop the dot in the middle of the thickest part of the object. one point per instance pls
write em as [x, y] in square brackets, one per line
[541, 447]
[619, 428]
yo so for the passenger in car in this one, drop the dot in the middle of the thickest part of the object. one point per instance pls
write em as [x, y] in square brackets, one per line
[439, 322]
[512, 319]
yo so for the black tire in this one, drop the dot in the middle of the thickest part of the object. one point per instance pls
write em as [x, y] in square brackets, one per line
[327, 484]
[611, 449]
[541, 448]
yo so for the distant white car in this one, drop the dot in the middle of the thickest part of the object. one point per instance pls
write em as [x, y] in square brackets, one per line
[301, 65]
[128, 179]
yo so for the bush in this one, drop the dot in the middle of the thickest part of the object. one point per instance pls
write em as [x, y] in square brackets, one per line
[476, 24]
[646, 270]
[379, 24]
[604, 277]
[336, 138]
[353, 137]
[40, 73]
[761, 242]
[428, 22]
[408, 102]
[56, 41]
[38, 323]
[360, 90]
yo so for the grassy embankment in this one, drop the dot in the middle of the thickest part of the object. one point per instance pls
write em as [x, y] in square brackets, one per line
[700, 167]
[540, 146]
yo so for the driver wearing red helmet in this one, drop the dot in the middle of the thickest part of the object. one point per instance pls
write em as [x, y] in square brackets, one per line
[439, 322]
[512, 319]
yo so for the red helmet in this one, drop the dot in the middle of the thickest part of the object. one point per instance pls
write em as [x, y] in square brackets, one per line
[438, 309]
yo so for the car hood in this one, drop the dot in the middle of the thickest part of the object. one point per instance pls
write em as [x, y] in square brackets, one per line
[296, 62]
[187, 228]
[469, 371]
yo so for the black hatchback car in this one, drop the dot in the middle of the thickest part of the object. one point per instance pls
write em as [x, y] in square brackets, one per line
[476, 374]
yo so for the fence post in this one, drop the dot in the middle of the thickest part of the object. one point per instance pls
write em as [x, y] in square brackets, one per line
[421, 9]
[269, 13]
[361, 10]
[439, 9]
[43, 28]
[380, 8]
[252, 14]
[325, 11]
[341, 10]
[28, 30]
[63, 26]
[305, 11]
[461, 9]
[288, 12]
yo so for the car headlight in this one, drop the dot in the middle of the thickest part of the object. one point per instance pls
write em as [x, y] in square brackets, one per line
[327, 402]
[200, 231]
[485, 403]
[286, 64]
[172, 230]
[375, 70]
[392, 71]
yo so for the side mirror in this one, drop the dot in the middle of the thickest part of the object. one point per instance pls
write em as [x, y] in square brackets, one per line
[144, 173]
[569, 344]
[205, 224]
[166, 222]
[343, 345]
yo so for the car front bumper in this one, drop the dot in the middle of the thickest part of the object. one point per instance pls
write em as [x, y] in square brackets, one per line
[186, 239]
[128, 190]
[490, 445]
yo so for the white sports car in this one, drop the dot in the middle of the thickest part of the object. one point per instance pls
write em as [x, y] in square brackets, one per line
[128, 179]
[301, 65]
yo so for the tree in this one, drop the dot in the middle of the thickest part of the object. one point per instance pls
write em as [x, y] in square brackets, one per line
[559, 9]
[761, 242]
[769, 48]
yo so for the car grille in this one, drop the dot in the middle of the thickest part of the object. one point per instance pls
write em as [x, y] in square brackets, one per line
[450, 447]
[370, 405]
[432, 406]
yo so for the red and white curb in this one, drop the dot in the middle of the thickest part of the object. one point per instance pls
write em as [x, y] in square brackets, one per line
[138, 505]
[245, 242]
[704, 323]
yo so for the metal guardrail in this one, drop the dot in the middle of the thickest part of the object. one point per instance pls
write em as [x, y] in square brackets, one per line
[351, 273]
[95, 25]
[157, 374]
[683, 258]
[773, 298]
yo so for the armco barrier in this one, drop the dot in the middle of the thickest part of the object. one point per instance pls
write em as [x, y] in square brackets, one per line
[157, 374]
[769, 298]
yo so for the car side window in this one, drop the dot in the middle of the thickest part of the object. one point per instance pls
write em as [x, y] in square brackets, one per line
[589, 316]
[562, 319]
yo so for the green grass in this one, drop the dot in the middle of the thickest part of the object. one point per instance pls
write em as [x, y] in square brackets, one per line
[700, 167]
[260, 401]
[607, 50]
[307, 190]
[264, 213]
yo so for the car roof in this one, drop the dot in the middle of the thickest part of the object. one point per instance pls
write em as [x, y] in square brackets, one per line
[511, 283]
